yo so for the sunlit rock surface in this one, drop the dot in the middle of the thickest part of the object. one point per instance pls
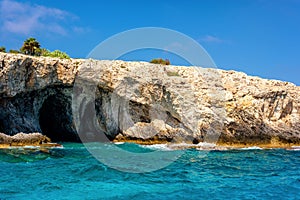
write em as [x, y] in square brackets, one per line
[89, 100]
[22, 139]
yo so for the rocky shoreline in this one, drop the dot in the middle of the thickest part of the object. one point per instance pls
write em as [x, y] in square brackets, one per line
[145, 103]
[26, 139]
[214, 146]
[42, 142]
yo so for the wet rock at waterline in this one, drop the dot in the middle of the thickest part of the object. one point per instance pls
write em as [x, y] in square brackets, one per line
[142, 102]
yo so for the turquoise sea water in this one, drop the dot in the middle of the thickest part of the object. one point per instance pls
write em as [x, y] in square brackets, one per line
[73, 173]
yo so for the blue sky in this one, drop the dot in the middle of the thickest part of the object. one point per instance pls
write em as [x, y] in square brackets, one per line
[258, 37]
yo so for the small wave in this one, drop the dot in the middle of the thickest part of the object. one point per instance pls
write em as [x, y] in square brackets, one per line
[162, 147]
[180, 146]
[23, 147]
[199, 146]
[119, 143]
[206, 145]
[295, 148]
[57, 147]
[251, 148]
[39, 147]
[31, 147]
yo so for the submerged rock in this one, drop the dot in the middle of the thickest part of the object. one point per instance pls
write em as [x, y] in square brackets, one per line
[89, 100]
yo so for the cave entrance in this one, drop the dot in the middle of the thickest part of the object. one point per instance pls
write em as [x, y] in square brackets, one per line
[56, 119]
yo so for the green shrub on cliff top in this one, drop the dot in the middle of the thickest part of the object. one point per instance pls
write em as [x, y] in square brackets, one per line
[2, 49]
[56, 53]
[13, 51]
[59, 54]
[160, 61]
[42, 52]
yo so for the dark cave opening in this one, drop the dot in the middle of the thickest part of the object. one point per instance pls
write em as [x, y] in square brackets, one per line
[56, 121]
[1, 126]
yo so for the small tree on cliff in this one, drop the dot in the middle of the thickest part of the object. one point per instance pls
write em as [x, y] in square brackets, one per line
[30, 47]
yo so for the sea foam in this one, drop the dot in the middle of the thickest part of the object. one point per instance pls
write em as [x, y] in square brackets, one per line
[251, 148]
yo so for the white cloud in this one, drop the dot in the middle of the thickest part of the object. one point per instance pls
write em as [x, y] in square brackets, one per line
[25, 18]
[81, 30]
[211, 39]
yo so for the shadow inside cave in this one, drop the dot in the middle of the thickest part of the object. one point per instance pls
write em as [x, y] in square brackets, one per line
[55, 119]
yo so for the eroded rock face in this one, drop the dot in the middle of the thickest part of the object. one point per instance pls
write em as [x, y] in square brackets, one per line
[142, 102]
[34, 93]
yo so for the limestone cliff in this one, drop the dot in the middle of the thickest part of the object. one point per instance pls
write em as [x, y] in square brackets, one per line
[146, 103]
